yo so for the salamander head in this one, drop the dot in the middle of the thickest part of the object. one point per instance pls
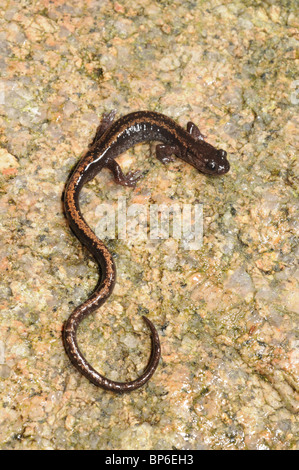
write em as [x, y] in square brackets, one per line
[207, 159]
[217, 165]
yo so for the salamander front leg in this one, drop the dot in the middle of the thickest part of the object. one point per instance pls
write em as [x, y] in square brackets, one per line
[165, 153]
[107, 120]
[194, 131]
[130, 179]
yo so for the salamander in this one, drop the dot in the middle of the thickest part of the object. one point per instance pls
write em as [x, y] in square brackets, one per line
[112, 138]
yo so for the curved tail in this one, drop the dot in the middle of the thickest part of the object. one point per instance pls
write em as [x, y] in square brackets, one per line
[78, 360]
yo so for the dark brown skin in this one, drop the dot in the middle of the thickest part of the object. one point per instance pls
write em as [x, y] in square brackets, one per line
[113, 138]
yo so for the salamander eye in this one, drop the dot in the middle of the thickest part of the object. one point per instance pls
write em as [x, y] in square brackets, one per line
[211, 165]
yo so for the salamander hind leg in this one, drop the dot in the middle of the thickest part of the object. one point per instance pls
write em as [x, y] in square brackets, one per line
[165, 153]
[194, 131]
[130, 179]
[107, 120]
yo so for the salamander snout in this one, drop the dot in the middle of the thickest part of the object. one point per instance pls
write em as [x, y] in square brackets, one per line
[223, 164]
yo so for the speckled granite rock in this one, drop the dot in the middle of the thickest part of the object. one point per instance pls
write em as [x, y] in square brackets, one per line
[227, 314]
